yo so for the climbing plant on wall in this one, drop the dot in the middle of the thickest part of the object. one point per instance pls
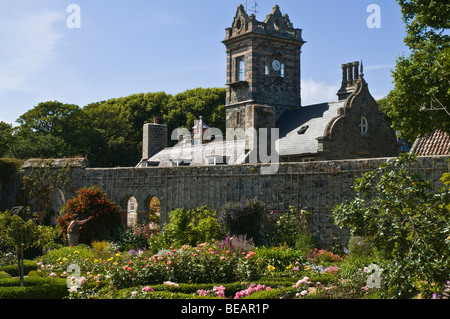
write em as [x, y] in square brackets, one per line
[43, 180]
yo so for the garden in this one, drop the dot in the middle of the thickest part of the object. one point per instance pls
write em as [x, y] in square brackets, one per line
[397, 247]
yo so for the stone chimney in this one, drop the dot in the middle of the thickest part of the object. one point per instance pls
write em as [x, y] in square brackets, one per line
[154, 139]
[350, 75]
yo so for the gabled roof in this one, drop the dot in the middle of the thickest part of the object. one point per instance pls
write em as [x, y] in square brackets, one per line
[300, 128]
[436, 143]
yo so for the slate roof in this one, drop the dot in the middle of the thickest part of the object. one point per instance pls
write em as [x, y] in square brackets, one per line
[310, 121]
[436, 143]
[196, 155]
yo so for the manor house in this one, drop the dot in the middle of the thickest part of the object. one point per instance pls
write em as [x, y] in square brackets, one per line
[263, 103]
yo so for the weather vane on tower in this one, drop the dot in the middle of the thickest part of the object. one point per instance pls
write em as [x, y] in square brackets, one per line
[254, 9]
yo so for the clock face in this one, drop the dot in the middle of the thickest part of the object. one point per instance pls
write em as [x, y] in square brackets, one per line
[276, 65]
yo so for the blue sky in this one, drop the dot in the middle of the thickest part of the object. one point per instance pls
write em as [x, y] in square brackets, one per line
[126, 47]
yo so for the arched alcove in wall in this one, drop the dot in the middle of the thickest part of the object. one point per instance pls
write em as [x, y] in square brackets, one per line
[153, 204]
[130, 208]
[47, 204]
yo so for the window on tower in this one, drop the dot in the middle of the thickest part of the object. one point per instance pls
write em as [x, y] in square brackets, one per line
[240, 69]
[282, 70]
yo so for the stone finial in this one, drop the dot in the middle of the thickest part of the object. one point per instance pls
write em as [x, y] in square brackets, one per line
[361, 71]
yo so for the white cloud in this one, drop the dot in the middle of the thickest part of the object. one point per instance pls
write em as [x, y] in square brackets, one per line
[314, 92]
[29, 41]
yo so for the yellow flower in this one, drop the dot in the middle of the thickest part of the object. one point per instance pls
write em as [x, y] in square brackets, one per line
[110, 259]
[64, 259]
[117, 255]
[58, 259]
[76, 252]
[271, 268]
[289, 267]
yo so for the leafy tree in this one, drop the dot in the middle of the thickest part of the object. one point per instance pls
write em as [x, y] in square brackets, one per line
[115, 127]
[20, 234]
[407, 221]
[184, 108]
[420, 99]
[50, 129]
[50, 117]
[109, 132]
[6, 137]
[33, 145]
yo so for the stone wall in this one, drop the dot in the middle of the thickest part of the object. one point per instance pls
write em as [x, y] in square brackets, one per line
[314, 186]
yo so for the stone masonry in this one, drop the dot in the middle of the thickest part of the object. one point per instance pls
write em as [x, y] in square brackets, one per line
[314, 186]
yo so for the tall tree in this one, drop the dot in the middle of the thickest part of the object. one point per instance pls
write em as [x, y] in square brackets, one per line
[6, 137]
[50, 129]
[184, 108]
[420, 100]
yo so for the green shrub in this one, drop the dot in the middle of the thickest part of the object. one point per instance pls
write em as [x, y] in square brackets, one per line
[360, 247]
[265, 294]
[79, 252]
[34, 288]
[100, 249]
[408, 222]
[4, 275]
[295, 231]
[13, 270]
[192, 227]
[280, 257]
[136, 237]
[245, 217]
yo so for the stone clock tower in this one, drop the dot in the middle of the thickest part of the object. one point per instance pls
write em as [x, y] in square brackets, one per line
[263, 69]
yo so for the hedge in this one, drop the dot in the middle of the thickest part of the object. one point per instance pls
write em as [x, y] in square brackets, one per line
[34, 288]
[13, 270]
[4, 275]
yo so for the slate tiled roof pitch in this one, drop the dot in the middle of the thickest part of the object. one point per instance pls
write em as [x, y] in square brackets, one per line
[436, 143]
[294, 139]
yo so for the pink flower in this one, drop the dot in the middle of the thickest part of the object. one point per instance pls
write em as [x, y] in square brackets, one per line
[147, 289]
[73, 289]
[82, 280]
[304, 292]
[305, 280]
[250, 254]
